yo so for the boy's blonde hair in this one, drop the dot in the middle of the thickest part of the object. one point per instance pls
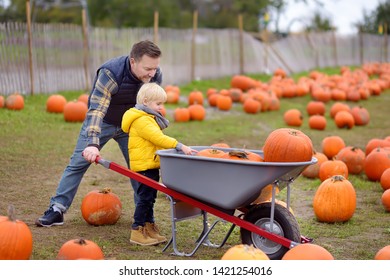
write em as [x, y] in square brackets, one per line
[151, 92]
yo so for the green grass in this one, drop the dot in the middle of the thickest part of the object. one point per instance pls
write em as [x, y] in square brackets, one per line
[35, 147]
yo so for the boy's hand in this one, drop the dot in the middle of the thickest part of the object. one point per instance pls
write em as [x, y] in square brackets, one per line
[187, 150]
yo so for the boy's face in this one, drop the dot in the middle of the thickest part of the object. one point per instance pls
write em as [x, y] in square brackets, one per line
[145, 68]
[156, 106]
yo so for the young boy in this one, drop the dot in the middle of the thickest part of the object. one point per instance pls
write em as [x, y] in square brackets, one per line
[145, 123]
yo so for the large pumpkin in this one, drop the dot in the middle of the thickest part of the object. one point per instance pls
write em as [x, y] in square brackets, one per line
[287, 145]
[244, 252]
[75, 111]
[76, 249]
[16, 240]
[211, 152]
[385, 199]
[334, 200]
[333, 167]
[101, 207]
[308, 251]
[376, 163]
[55, 103]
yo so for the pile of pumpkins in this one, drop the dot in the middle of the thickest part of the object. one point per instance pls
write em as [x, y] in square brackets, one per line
[13, 101]
[73, 111]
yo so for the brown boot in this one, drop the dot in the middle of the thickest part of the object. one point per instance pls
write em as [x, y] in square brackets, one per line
[140, 236]
[154, 232]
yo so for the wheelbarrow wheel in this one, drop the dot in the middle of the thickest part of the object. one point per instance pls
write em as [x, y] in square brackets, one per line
[284, 224]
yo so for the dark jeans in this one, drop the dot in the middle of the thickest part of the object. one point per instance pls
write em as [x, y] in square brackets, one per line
[146, 198]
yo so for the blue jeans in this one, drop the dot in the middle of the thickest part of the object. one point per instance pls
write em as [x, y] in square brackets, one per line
[144, 211]
[74, 172]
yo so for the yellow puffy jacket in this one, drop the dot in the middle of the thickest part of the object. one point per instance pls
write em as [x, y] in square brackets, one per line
[145, 138]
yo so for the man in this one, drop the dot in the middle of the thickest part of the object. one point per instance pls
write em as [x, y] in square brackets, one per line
[115, 91]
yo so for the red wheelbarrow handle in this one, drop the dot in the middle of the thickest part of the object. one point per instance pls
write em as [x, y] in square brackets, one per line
[209, 209]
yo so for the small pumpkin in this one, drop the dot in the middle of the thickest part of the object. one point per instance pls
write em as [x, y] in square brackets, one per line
[317, 122]
[385, 179]
[344, 119]
[376, 163]
[385, 199]
[315, 108]
[360, 115]
[80, 249]
[251, 106]
[55, 103]
[181, 115]
[244, 252]
[353, 157]
[383, 253]
[293, 117]
[84, 98]
[332, 167]
[308, 251]
[213, 153]
[337, 107]
[331, 145]
[224, 103]
[197, 112]
[312, 170]
[195, 97]
[2, 101]
[334, 200]
[75, 111]
[14, 101]
[16, 241]
[101, 207]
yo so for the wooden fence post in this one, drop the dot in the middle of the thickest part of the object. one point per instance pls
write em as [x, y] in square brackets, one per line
[361, 45]
[241, 43]
[86, 50]
[155, 29]
[335, 49]
[28, 14]
[193, 46]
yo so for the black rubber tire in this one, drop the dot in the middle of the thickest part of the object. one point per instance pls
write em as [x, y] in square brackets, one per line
[284, 225]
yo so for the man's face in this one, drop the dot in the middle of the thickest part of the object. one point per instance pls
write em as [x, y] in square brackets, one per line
[145, 69]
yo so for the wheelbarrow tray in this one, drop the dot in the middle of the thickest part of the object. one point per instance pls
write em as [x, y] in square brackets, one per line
[225, 183]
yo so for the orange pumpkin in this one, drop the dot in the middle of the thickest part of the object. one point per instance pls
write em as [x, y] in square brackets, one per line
[266, 194]
[334, 200]
[224, 102]
[221, 145]
[197, 112]
[16, 241]
[14, 101]
[213, 153]
[242, 82]
[337, 107]
[376, 143]
[385, 179]
[313, 170]
[308, 251]
[315, 108]
[376, 163]
[360, 115]
[385, 199]
[172, 97]
[383, 253]
[55, 103]
[251, 106]
[333, 167]
[331, 145]
[181, 115]
[243, 155]
[2, 101]
[80, 249]
[244, 252]
[317, 122]
[101, 207]
[84, 98]
[353, 157]
[293, 117]
[344, 119]
[287, 145]
[75, 111]
[195, 97]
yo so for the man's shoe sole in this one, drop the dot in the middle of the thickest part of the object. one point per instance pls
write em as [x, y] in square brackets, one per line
[38, 223]
[143, 244]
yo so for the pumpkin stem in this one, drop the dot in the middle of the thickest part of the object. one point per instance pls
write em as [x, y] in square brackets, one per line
[105, 190]
[80, 241]
[239, 154]
[11, 213]
[338, 178]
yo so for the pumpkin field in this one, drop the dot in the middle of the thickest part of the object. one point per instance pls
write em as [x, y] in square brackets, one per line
[343, 111]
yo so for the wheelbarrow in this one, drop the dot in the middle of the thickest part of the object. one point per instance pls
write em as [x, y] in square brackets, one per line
[226, 188]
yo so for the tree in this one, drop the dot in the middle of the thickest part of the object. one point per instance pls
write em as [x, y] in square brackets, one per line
[319, 23]
[380, 17]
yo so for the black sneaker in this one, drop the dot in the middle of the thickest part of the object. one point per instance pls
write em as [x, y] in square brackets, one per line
[50, 218]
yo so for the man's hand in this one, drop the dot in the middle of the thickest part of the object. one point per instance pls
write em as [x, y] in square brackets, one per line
[91, 153]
